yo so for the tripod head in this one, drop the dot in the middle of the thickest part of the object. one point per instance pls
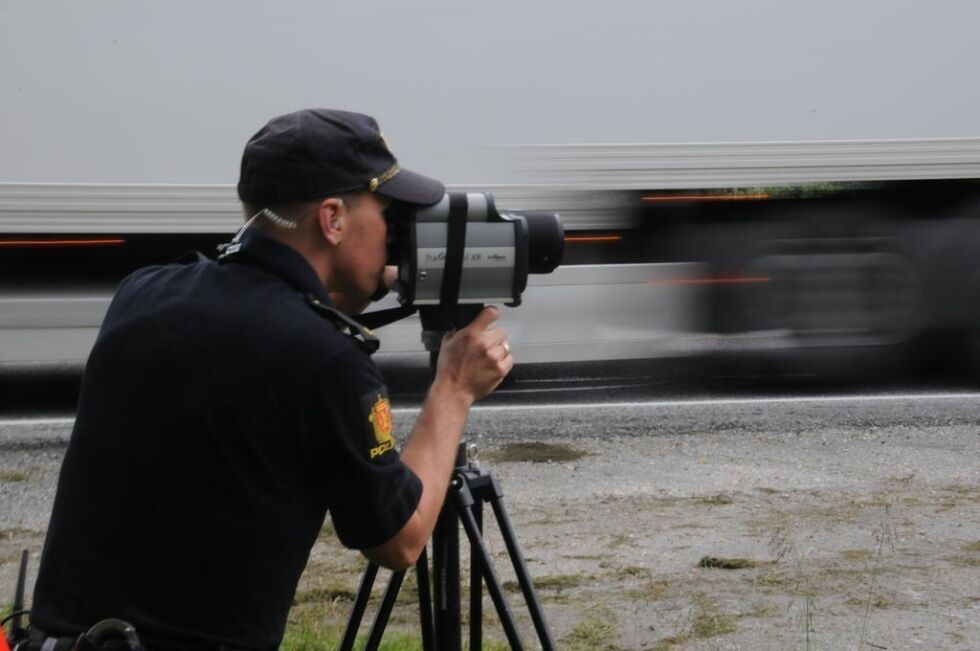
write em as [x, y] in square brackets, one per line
[437, 320]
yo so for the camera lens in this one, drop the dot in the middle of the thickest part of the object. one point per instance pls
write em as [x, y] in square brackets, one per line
[546, 241]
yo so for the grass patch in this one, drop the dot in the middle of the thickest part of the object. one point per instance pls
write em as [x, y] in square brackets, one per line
[906, 480]
[780, 581]
[648, 591]
[591, 635]
[631, 571]
[961, 489]
[959, 495]
[971, 547]
[16, 532]
[670, 642]
[692, 525]
[551, 582]
[718, 499]
[307, 630]
[965, 561]
[876, 601]
[707, 621]
[536, 452]
[325, 594]
[715, 562]
[618, 540]
[762, 611]
[561, 581]
[556, 598]
[8, 475]
[856, 554]
[553, 521]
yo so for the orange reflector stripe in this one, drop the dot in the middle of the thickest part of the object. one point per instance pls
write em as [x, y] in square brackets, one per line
[710, 281]
[60, 243]
[704, 197]
[580, 239]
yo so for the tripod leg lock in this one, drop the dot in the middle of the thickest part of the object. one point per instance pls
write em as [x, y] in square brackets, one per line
[462, 494]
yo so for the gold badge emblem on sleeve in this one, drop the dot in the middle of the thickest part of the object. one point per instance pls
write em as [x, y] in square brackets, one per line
[380, 418]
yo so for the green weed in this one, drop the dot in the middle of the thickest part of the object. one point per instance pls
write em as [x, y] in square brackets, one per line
[536, 452]
[9, 475]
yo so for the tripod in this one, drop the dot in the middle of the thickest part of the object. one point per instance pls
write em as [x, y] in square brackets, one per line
[471, 486]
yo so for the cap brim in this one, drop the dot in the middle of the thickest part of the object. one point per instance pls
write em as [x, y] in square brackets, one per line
[411, 187]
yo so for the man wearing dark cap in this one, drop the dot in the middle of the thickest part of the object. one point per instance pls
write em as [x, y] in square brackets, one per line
[229, 404]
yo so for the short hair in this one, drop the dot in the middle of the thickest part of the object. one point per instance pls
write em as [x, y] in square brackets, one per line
[292, 212]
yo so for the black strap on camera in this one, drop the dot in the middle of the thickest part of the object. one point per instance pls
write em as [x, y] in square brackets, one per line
[455, 248]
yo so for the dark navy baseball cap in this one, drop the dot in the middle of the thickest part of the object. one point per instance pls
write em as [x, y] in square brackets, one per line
[315, 153]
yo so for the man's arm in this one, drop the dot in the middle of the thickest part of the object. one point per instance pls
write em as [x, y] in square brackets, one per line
[472, 362]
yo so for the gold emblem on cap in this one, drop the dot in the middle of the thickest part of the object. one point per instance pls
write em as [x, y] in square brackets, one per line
[384, 177]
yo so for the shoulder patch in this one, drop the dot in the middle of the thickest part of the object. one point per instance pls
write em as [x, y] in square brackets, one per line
[376, 408]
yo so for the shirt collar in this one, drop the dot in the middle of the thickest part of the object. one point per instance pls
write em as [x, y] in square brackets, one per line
[282, 260]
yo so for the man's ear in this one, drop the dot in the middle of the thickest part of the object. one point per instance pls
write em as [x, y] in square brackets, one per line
[330, 217]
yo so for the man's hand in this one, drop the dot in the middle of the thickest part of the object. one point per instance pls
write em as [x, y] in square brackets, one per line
[476, 359]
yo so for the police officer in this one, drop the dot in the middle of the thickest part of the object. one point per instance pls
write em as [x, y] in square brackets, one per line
[228, 405]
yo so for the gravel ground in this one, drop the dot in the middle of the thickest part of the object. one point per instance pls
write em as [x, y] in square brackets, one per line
[851, 526]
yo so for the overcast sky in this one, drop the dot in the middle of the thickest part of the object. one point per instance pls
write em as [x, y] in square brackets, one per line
[134, 91]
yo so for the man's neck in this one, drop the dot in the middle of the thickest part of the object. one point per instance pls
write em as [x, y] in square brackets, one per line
[317, 256]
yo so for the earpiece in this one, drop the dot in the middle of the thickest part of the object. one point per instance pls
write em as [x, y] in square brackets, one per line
[273, 217]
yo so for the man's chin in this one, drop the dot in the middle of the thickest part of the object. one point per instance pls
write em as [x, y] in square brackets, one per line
[349, 304]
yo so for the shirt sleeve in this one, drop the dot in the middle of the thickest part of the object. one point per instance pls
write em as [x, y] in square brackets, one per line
[369, 492]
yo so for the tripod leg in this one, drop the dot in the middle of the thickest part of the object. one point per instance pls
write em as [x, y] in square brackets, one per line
[445, 580]
[360, 604]
[384, 611]
[476, 587]
[425, 601]
[520, 568]
[464, 504]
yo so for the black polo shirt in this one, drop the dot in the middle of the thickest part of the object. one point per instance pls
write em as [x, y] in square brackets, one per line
[220, 418]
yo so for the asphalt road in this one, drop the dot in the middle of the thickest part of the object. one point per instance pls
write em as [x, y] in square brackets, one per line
[52, 390]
